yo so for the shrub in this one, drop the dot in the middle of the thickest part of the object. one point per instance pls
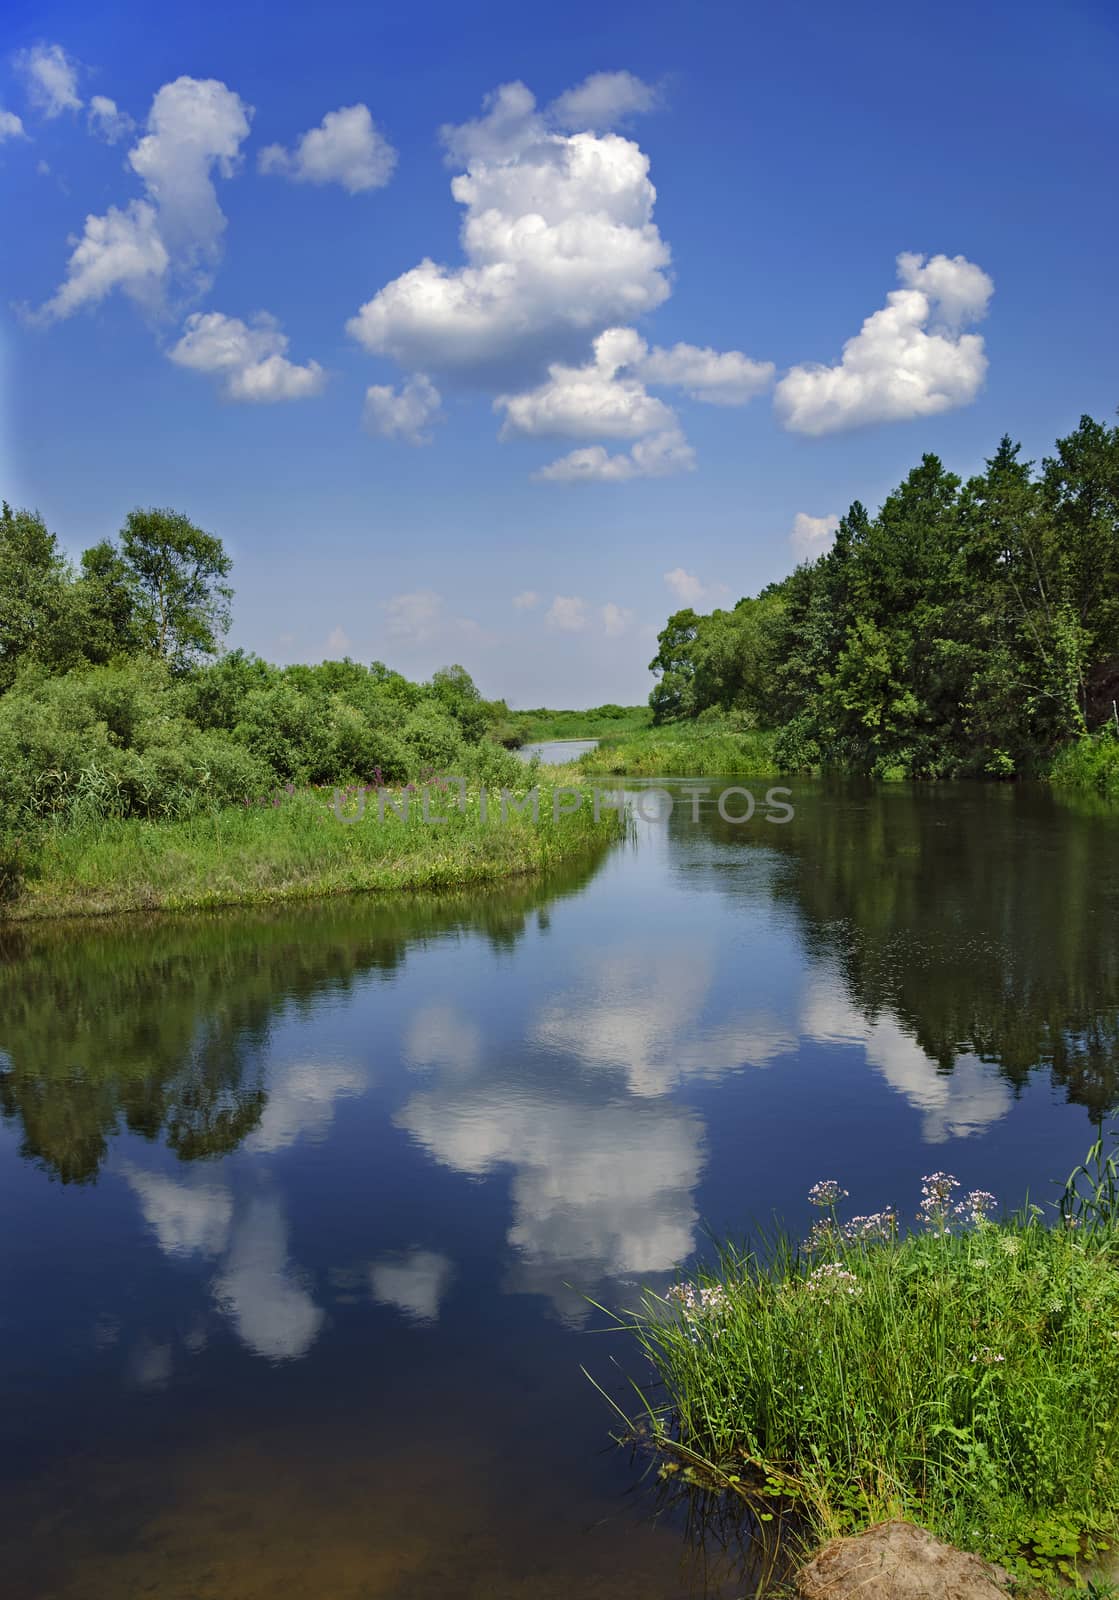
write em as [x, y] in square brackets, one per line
[284, 728]
[964, 1377]
[358, 748]
[495, 767]
[108, 743]
[432, 737]
[1091, 765]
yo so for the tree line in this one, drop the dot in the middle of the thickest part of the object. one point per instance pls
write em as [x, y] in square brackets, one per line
[116, 699]
[969, 628]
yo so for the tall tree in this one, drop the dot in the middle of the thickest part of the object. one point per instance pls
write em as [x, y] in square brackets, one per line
[104, 599]
[33, 593]
[178, 574]
[674, 666]
[1080, 484]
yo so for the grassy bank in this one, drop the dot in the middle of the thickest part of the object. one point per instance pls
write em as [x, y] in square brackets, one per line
[1091, 766]
[964, 1376]
[683, 751]
[290, 848]
[595, 723]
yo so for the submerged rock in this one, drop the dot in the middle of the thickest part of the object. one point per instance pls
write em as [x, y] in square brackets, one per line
[897, 1561]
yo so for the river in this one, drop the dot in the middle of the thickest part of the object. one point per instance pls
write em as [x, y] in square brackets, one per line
[304, 1209]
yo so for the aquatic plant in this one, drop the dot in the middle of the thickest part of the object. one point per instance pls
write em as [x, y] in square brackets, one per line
[963, 1375]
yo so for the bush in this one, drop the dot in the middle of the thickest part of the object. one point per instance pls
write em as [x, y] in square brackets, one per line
[796, 748]
[108, 743]
[1091, 765]
[496, 767]
[433, 738]
[358, 748]
[198, 771]
[49, 732]
[283, 728]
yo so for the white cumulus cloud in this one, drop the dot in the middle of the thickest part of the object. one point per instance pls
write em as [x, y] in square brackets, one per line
[402, 413]
[608, 399]
[690, 590]
[615, 619]
[11, 126]
[721, 378]
[415, 617]
[249, 359]
[195, 129]
[603, 100]
[568, 612]
[346, 148]
[527, 600]
[421, 615]
[559, 242]
[51, 77]
[121, 250]
[656, 457]
[577, 402]
[107, 121]
[811, 536]
[196, 126]
[910, 359]
[560, 253]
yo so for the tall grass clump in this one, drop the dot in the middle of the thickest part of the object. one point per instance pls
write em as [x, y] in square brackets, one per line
[963, 1375]
[293, 843]
[687, 753]
[594, 723]
[1090, 765]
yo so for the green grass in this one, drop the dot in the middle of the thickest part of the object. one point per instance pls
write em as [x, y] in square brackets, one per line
[1091, 766]
[964, 1376]
[683, 751]
[542, 724]
[292, 849]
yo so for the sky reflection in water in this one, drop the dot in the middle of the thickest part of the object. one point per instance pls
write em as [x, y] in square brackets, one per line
[339, 1179]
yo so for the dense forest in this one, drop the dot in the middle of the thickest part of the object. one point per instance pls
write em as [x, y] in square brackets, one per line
[969, 628]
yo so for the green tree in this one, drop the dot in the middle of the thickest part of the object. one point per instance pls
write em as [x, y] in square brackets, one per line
[104, 601]
[1080, 488]
[674, 666]
[457, 692]
[33, 594]
[178, 574]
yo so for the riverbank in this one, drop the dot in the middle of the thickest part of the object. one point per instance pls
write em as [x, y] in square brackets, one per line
[964, 1376]
[683, 751]
[1090, 767]
[291, 846]
[544, 726]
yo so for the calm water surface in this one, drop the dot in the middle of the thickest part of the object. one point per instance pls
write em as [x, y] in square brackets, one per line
[557, 751]
[301, 1208]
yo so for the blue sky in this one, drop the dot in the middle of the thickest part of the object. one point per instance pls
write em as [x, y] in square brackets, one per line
[707, 275]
